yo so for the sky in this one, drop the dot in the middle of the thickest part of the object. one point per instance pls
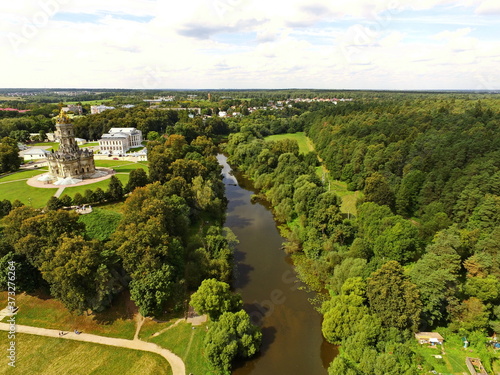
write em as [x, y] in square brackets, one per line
[251, 44]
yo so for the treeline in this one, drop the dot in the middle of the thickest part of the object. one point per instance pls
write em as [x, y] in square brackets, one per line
[421, 253]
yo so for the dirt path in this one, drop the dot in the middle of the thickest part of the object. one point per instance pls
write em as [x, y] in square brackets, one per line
[175, 362]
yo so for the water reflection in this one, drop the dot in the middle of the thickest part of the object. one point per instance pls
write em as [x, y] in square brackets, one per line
[292, 340]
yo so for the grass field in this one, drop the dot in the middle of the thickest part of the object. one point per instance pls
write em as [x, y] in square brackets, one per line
[11, 188]
[185, 341]
[53, 145]
[349, 198]
[10, 98]
[305, 144]
[47, 356]
[43, 311]
[20, 190]
[23, 175]
[100, 223]
[90, 102]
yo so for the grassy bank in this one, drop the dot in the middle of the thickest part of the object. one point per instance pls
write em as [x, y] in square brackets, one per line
[40, 310]
[47, 356]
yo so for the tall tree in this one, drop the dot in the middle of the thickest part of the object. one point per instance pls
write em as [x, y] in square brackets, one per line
[232, 337]
[115, 189]
[394, 298]
[215, 298]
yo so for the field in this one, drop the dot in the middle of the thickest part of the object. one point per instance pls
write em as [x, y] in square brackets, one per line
[349, 198]
[12, 189]
[100, 223]
[305, 144]
[46, 356]
[53, 145]
[90, 102]
[184, 340]
[43, 311]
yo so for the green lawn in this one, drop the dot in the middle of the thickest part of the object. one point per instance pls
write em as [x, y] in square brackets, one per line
[23, 174]
[135, 149]
[53, 145]
[47, 356]
[111, 163]
[46, 312]
[185, 341]
[20, 190]
[305, 144]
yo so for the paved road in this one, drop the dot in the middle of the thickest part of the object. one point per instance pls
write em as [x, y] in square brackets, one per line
[175, 362]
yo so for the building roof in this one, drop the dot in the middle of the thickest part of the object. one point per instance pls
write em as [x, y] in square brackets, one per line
[428, 336]
[123, 130]
[114, 135]
[36, 151]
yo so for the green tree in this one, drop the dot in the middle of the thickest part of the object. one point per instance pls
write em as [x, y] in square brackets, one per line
[232, 337]
[137, 178]
[89, 196]
[115, 189]
[78, 275]
[99, 195]
[66, 200]
[78, 199]
[54, 203]
[378, 190]
[9, 155]
[5, 207]
[394, 298]
[215, 298]
[151, 290]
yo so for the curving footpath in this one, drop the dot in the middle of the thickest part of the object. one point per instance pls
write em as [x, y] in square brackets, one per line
[175, 362]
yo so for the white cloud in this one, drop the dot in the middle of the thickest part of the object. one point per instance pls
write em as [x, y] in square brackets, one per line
[197, 44]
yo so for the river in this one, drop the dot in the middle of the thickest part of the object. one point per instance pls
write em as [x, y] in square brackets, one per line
[265, 278]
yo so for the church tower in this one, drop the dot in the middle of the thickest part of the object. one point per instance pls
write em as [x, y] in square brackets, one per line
[70, 161]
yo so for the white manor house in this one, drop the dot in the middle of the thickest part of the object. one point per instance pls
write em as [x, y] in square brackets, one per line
[119, 140]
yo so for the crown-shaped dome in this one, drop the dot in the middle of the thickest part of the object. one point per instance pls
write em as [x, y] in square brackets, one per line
[63, 118]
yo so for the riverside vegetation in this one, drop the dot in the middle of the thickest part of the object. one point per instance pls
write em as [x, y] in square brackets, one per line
[422, 251]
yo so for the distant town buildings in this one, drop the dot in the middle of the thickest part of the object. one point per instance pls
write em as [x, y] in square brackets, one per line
[119, 140]
[95, 109]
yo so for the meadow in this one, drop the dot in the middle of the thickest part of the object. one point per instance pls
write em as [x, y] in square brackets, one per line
[47, 356]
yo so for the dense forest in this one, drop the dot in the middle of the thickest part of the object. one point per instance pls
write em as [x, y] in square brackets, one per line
[422, 250]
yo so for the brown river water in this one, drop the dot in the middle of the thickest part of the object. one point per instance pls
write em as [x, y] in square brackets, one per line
[265, 278]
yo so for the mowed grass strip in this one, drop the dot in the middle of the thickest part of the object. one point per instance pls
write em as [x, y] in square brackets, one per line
[305, 145]
[20, 190]
[47, 356]
[46, 312]
[22, 175]
[187, 342]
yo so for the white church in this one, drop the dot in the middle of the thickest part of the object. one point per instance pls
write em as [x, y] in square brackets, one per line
[119, 140]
